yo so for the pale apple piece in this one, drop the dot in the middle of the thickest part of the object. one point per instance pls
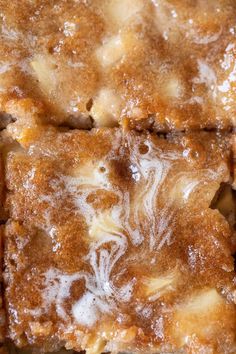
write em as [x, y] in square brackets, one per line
[106, 108]
[97, 347]
[166, 22]
[104, 225]
[86, 175]
[155, 287]
[122, 11]
[111, 51]
[115, 338]
[204, 25]
[186, 189]
[115, 48]
[44, 71]
[41, 329]
[200, 316]
[126, 335]
[183, 188]
[172, 87]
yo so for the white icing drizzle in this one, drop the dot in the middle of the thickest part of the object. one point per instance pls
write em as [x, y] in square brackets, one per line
[101, 294]
[9, 34]
[226, 92]
[207, 75]
[89, 179]
[189, 188]
[87, 309]
[208, 38]
[153, 172]
[152, 168]
[6, 66]
[110, 230]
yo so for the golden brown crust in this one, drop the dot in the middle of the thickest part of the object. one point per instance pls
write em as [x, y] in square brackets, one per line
[168, 65]
[131, 254]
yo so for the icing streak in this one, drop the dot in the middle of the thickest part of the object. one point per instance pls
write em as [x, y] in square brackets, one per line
[142, 216]
[101, 294]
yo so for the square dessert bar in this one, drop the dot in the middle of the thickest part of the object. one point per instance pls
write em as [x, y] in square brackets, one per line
[168, 65]
[113, 244]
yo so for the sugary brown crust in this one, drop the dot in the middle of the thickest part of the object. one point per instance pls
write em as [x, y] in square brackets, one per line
[132, 257]
[165, 65]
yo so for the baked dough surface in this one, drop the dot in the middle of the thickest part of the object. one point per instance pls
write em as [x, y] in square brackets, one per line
[168, 65]
[112, 244]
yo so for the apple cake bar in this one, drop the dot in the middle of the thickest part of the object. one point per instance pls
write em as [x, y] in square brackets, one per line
[113, 243]
[162, 64]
